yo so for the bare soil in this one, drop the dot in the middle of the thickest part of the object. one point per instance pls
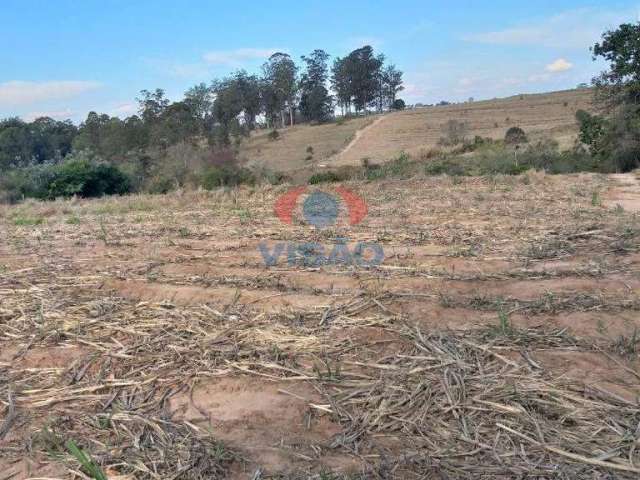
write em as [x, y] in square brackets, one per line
[500, 332]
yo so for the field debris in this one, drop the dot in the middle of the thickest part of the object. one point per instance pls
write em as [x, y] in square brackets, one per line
[511, 362]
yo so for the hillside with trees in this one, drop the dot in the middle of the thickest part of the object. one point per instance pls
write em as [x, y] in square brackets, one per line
[173, 144]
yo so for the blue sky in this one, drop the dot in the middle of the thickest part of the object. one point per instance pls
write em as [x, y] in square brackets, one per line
[64, 58]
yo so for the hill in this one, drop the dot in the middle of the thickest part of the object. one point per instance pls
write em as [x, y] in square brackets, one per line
[380, 138]
[289, 151]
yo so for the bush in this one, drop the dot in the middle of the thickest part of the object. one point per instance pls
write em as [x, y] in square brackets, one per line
[445, 167]
[593, 131]
[454, 132]
[225, 176]
[161, 185]
[515, 136]
[477, 143]
[21, 183]
[273, 135]
[398, 104]
[397, 168]
[325, 177]
[76, 176]
[85, 179]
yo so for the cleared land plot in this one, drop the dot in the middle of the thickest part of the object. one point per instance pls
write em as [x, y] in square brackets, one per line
[498, 338]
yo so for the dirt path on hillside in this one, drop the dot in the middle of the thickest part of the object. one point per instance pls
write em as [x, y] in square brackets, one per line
[626, 193]
[338, 158]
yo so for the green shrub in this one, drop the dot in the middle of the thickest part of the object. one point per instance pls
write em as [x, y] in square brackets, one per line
[444, 166]
[85, 179]
[161, 185]
[21, 183]
[398, 104]
[515, 136]
[76, 176]
[477, 143]
[225, 176]
[325, 177]
[400, 167]
[22, 221]
[276, 178]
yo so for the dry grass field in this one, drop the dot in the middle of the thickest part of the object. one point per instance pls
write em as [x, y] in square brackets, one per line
[548, 115]
[289, 151]
[498, 339]
[381, 138]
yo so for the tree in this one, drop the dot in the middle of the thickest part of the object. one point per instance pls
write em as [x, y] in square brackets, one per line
[271, 105]
[16, 145]
[341, 83]
[315, 101]
[616, 140]
[621, 48]
[363, 70]
[178, 123]
[227, 105]
[392, 84]
[249, 89]
[152, 104]
[199, 99]
[593, 129]
[279, 73]
[515, 136]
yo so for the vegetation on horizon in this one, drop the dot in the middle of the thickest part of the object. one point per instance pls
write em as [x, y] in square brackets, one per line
[195, 141]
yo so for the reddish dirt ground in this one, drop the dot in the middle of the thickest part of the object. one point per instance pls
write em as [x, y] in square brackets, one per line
[152, 323]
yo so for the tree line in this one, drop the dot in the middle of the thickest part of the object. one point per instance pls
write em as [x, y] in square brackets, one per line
[222, 112]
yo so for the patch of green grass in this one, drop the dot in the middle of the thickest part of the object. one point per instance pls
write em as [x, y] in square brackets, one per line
[73, 220]
[89, 466]
[505, 324]
[25, 221]
[243, 214]
[128, 205]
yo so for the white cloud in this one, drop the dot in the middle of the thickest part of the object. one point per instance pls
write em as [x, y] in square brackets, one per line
[56, 115]
[574, 29]
[559, 65]
[125, 109]
[16, 92]
[238, 56]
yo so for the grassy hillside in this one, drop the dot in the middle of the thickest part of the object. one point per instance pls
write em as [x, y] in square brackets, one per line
[551, 115]
[381, 138]
[289, 151]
